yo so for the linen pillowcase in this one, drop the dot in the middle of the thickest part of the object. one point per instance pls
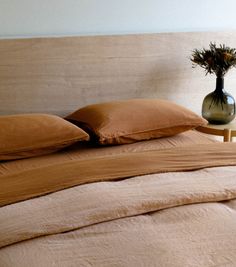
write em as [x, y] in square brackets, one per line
[129, 121]
[30, 135]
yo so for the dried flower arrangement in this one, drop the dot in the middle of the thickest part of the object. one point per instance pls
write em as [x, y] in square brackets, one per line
[216, 60]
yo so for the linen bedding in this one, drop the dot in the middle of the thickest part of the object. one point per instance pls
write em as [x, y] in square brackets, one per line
[154, 203]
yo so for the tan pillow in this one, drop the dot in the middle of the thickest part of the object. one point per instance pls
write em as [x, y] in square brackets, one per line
[133, 120]
[29, 135]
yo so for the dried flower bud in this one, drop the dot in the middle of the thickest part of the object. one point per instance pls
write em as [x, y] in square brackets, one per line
[227, 56]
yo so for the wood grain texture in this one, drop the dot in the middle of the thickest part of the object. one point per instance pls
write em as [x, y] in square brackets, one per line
[58, 75]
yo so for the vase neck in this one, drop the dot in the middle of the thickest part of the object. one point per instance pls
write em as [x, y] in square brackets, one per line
[219, 83]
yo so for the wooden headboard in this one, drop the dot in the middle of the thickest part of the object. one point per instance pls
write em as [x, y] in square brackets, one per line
[58, 75]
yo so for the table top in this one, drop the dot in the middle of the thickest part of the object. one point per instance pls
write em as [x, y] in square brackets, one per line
[231, 126]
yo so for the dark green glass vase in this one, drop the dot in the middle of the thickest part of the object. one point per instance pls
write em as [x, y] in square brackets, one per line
[218, 107]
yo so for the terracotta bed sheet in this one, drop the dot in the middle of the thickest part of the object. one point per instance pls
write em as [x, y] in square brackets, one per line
[85, 150]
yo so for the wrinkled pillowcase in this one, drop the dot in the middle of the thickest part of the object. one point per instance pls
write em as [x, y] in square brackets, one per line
[129, 121]
[29, 135]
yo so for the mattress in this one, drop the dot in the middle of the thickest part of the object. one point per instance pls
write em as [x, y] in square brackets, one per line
[175, 209]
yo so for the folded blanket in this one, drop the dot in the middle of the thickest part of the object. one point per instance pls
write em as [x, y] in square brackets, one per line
[39, 181]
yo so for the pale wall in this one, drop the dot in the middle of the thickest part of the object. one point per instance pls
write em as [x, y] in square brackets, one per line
[82, 17]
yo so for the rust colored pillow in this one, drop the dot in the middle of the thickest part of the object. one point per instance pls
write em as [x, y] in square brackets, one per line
[128, 121]
[30, 135]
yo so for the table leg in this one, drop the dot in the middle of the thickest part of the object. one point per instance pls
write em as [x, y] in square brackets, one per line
[227, 135]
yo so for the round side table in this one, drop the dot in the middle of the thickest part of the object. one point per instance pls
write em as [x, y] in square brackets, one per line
[226, 130]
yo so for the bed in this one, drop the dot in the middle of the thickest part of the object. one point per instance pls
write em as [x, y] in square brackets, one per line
[166, 199]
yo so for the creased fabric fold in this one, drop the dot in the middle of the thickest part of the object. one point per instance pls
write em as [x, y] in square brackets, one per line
[40, 181]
